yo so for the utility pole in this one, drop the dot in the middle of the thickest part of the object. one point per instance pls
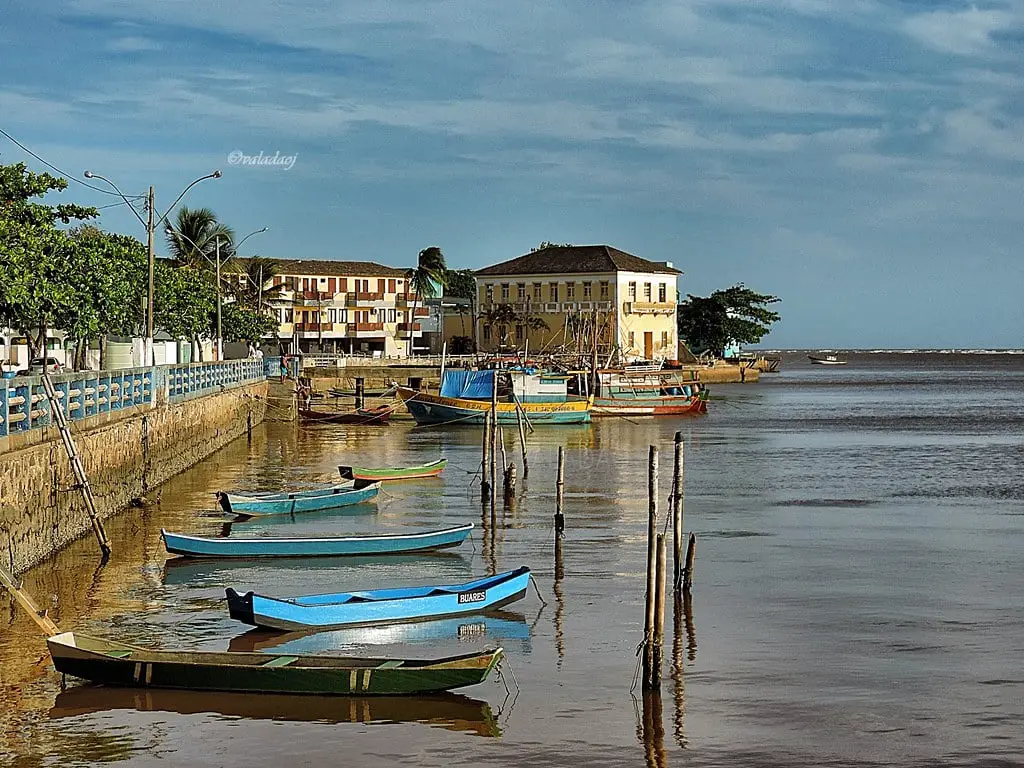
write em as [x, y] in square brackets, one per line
[220, 338]
[150, 359]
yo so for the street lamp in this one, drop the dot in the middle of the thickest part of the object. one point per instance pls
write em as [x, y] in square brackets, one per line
[172, 231]
[150, 226]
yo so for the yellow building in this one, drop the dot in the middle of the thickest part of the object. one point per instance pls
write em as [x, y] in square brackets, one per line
[572, 289]
[345, 307]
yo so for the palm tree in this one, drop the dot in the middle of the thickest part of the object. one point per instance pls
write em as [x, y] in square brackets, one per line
[193, 238]
[430, 273]
[250, 286]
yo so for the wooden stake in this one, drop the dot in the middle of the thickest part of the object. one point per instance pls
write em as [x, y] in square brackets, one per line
[652, 533]
[504, 457]
[510, 483]
[485, 486]
[560, 494]
[39, 617]
[659, 612]
[691, 552]
[677, 513]
[522, 440]
[494, 441]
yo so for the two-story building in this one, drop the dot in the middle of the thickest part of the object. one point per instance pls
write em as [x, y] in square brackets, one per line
[631, 301]
[344, 307]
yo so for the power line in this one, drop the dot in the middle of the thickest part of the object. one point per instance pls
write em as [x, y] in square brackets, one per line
[62, 173]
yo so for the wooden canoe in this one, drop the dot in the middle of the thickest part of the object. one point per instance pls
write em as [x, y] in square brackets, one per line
[113, 663]
[378, 415]
[267, 546]
[341, 495]
[379, 606]
[433, 469]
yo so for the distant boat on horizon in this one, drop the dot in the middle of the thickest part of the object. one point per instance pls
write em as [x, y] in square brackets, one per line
[826, 360]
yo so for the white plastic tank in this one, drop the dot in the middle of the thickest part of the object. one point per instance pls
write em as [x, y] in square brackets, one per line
[118, 355]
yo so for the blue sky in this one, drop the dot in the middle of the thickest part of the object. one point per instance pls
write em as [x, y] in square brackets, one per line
[863, 160]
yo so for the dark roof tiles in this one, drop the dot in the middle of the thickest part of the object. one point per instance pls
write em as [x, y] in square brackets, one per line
[575, 259]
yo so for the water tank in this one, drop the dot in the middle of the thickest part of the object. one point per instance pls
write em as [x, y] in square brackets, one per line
[118, 355]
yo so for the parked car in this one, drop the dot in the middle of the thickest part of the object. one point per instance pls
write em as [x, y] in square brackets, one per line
[51, 364]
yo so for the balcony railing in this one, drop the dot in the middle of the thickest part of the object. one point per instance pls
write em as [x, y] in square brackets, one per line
[406, 327]
[361, 297]
[648, 307]
[306, 327]
[365, 327]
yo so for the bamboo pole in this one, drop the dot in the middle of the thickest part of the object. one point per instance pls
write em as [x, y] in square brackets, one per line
[560, 494]
[691, 553]
[504, 456]
[522, 440]
[510, 483]
[677, 513]
[652, 533]
[485, 486]
[659, 612]
[494, 440]
[25, 601]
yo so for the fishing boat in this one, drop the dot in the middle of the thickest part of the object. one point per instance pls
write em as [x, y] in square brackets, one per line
[433, 469]
[113, 663]
[341, 495]
[379, 606]
[465, 398]
[826, 360]
[649, 391]
[451, 711]
[359, 416]
[381, 544]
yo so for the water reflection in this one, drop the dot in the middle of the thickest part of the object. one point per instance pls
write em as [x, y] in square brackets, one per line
[453, 712]
[556, 587]
[682, 621]
[651, 730]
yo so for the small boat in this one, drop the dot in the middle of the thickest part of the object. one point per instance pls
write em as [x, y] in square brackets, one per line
[335, 392]
[826, 360]
[113, 663]
[341, 495]
[380, 544]
[378, 415]
[451, 711]
[379, 606]
[433, 469]
[649, 391]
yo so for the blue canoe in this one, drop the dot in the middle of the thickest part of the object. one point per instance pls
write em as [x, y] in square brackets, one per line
[332, 497]
[379, 606]
[382, 544]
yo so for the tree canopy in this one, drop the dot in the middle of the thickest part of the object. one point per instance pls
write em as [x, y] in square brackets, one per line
[459, 283]
[430, 272]
[734, 314]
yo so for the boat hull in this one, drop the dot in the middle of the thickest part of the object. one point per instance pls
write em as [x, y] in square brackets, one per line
[301, 501]
[655, 406]
[427, 408]
[433, 469]
[379, 606]
[388, 544]
[364, 416]
[103, 661]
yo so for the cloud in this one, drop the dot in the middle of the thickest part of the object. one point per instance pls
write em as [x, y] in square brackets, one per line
[964, 33]
[133, 45]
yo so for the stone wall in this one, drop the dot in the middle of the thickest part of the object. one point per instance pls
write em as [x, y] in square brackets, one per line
[42, 510]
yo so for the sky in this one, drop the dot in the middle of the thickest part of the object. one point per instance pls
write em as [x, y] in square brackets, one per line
[861, 159]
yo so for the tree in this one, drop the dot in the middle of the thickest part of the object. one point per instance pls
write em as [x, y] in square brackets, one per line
[430, 273]
[242, 323]
[459, 284]
[193, 239]
[734, 314]
[547, 244]
[250, 287]
[184, 301]
[504, 315]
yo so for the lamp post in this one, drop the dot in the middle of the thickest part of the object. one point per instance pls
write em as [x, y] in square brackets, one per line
[151, 224]
[172, 231]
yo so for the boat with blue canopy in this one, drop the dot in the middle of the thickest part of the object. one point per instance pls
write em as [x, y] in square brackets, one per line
[379, 606]
[330, 546]
[341, 495]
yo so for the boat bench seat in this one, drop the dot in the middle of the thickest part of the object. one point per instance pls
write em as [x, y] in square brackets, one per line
[119, 654]
[280, 661]
[391, 664]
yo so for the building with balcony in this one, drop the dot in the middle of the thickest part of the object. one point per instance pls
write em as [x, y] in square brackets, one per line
[344, 307]
[631, 301]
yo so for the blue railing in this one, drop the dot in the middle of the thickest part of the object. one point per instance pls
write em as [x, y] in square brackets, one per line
[23, 403]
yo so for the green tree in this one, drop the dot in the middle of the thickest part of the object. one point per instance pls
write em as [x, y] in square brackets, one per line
[242, 323]
[734, 314]
[252, 285]
[184, 301]
[459, 284]
[547, 244]
[505, 315]
[430, 272]
[193, 239]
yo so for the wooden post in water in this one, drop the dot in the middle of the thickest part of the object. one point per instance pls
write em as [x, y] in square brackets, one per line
[485, 486]
[691, 552]
[504, 456]
[659, 612]
[560, 494]
[678, 489]
[510, 483]
[522, 439]
[652, 534]
[360, 392]
[494, 440]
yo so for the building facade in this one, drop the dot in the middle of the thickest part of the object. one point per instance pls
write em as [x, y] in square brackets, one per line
[344, 307]
[554, 298]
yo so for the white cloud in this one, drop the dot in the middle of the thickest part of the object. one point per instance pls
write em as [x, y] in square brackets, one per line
[133, 44]
[965, 33]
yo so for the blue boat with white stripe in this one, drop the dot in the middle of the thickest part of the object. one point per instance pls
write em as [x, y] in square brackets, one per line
[341, 495]
[330, 546]
[379, 606]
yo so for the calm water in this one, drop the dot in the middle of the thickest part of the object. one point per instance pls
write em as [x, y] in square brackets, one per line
[857, 598]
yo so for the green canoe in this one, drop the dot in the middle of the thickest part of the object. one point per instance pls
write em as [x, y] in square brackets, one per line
[433, 469]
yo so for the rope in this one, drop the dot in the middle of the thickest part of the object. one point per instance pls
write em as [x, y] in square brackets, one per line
[536, 589]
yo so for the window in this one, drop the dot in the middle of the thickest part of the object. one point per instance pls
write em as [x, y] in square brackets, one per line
[342, 315]
[490, 293]
[570, 291]
[519, 333]
[392, 315]
[647, 291]
[662, 293]
[332, 315]
[536, 291]
[487, 333]
[604, 289]
[504, 291]
[503, 333]
[552, 291]
[521, 292]
[664, 339]
[289, 315]
[632, 339]
[586, 290]
[632, 294]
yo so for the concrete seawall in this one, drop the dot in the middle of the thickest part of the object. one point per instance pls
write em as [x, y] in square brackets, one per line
[126, 454]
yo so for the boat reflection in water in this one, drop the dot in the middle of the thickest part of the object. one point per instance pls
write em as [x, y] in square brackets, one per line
[451, 711]
[495, 626]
